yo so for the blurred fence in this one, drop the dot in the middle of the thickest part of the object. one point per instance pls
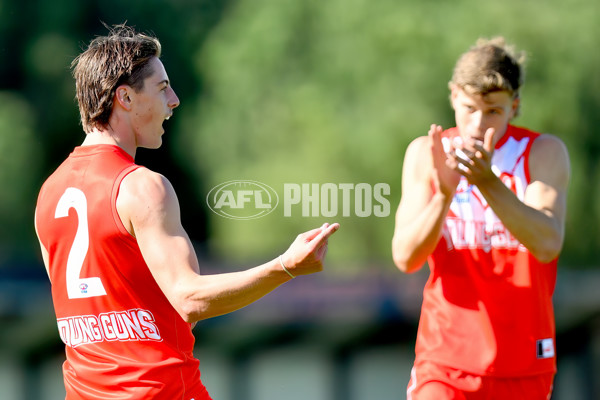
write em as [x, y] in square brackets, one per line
[321, 337]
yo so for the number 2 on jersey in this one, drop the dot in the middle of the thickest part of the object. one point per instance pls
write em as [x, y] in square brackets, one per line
[77, 287]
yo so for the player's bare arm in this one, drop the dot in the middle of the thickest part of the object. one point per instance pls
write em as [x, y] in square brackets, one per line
[538, 221]
[149, 208]
[423, 207]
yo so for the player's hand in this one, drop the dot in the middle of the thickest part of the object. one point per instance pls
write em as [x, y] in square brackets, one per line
[445, 178]
[474, 158]
[307, 253]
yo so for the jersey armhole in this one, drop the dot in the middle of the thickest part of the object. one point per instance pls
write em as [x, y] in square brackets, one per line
[526, 156]
[113, 198]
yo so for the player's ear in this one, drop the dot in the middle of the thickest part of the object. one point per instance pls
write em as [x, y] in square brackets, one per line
[515, 107]
[122, 97]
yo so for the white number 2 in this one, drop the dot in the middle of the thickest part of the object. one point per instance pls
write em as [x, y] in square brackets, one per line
[77, 287]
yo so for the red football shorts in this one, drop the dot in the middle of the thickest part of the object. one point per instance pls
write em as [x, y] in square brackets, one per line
[430, 381]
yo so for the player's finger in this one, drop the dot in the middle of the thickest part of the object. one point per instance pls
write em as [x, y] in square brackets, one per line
[434, 130]
[488, 139]
[325, 233]
[310, 235]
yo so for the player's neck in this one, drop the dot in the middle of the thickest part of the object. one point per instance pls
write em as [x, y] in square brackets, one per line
[106, 136]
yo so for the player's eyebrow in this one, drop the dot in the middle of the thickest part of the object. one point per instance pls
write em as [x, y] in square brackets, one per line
[165, 81]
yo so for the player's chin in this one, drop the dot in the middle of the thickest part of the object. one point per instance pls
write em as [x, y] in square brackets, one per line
[158, 140]
[155, 144]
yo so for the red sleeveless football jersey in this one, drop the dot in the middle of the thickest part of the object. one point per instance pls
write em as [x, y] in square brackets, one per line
[123, 338]
[487, 306]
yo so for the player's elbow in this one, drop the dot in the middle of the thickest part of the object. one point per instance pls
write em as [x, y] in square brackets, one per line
[548, 249]
[187, 311]
[404, 260]
[406, 266]
[547, 253]
[189, 318]
[189, 307]
[191, 299]
[192, 310]
[401, 265]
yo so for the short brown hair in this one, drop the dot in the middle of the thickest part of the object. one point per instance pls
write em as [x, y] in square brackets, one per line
[490, 66]
[121, 57]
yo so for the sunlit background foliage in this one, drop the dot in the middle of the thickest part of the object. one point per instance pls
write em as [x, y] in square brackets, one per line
[295, 92]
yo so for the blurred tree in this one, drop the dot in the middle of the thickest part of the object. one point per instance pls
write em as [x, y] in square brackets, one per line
[19, 165]
[295, 92]
[334, 91]
[38, 41]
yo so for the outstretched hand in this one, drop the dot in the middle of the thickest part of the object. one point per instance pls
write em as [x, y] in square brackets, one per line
[307, 253]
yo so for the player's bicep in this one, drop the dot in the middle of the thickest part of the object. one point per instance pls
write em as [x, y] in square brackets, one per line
[171, 260]
[151, 206]
[550, 172]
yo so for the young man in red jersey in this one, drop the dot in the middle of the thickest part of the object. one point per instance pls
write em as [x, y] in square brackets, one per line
[126, 283]
[484, 203]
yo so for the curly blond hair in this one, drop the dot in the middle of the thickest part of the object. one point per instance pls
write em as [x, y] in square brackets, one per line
[490, 66]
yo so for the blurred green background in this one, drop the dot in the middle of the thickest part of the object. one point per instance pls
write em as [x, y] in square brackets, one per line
[303, 91]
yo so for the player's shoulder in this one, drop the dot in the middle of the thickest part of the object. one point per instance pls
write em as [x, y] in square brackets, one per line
[417, 159]
[549, 141]
[549, 156]
[550, 147]
[144, 186]
[418, 145]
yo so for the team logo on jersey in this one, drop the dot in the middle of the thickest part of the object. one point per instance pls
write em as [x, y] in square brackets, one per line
[463, 191]
[545, 348]
[83, 287]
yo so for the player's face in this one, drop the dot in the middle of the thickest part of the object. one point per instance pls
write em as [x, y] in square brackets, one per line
[151, 106]
[475, 114]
